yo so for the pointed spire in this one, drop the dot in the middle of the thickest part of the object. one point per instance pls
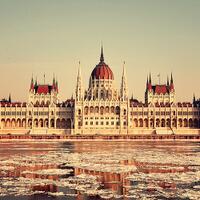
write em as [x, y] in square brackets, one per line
[56, 85]
[36, 82]
[79, 90]
[124, 87]
[101, 57]
[194, 98]
[32, 79]
[132, 97]
[32, 84]
[9, 98]
[44, 78]
[149, 86]
[124, 71]
[167, 80]
[147, 81]
[79, 68]
[172, 81]
[150, 77]
[54, 79]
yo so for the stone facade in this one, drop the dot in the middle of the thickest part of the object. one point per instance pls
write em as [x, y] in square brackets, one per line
[100, 109]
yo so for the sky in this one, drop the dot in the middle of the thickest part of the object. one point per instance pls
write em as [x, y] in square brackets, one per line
[52, 36]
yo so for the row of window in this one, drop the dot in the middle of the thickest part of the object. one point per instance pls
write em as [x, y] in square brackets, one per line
[12, 113]
[196, 113]
[107, 123]
[101, 118]
[40, 113]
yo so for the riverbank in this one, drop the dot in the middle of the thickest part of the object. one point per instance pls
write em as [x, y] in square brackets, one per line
[154, 137]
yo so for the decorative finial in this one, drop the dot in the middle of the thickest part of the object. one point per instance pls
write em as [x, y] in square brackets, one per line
[44, 78]
[9, 98]
[167, 80]
[150, 77]
[54, 79]
[101, 57]
[172, 81]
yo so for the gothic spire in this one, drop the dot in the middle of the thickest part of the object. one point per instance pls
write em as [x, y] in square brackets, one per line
[167, 80]
[150, 77]
[32, 84]
[36, 82]
[172, 81]
[147, 80]
[101, 57]
[194, 98]
[79, 89]
[124, 88]
[54, 79]
[9, 98]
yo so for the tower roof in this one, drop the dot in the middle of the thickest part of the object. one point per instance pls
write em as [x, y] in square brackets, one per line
[102, 70]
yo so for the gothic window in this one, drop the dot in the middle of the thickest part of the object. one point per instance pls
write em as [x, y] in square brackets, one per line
[101, 110]
[86, 110]
[107, 109]
[102, 94]
[117, 110]
[42, 103]
[96, 109]
[91, 109]
[97, 94]
[79, 123]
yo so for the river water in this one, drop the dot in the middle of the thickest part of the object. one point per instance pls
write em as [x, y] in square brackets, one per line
[32, 170]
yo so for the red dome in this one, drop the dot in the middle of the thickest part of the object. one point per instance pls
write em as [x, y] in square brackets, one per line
[102, 70]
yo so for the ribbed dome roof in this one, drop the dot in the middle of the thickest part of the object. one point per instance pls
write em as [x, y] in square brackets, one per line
[102, 70]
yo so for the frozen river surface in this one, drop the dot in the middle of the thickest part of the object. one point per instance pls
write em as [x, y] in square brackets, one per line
[99, 170]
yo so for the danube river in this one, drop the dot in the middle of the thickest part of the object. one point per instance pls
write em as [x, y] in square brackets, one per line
[31, 170]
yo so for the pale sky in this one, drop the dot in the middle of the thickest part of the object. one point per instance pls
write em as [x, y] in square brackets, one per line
[51, 36]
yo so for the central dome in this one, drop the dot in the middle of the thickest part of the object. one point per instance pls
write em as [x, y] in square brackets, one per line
[102, 70]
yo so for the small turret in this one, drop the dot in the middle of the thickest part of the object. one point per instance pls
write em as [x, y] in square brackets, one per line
[31, 85]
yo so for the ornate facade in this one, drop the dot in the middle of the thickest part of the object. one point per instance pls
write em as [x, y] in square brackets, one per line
[102, 108]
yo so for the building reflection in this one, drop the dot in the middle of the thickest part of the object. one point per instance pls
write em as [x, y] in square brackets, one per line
[119, 183]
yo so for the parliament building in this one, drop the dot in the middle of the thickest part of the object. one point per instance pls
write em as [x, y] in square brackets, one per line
[100, 109]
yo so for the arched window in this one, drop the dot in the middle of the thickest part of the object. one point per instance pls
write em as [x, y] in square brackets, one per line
[101, 110]
[91, 109]
[102, 94]
[96, 109]
[117, 110]
[86, 110]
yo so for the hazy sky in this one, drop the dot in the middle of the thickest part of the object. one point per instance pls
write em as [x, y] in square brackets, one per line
[51, 36]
